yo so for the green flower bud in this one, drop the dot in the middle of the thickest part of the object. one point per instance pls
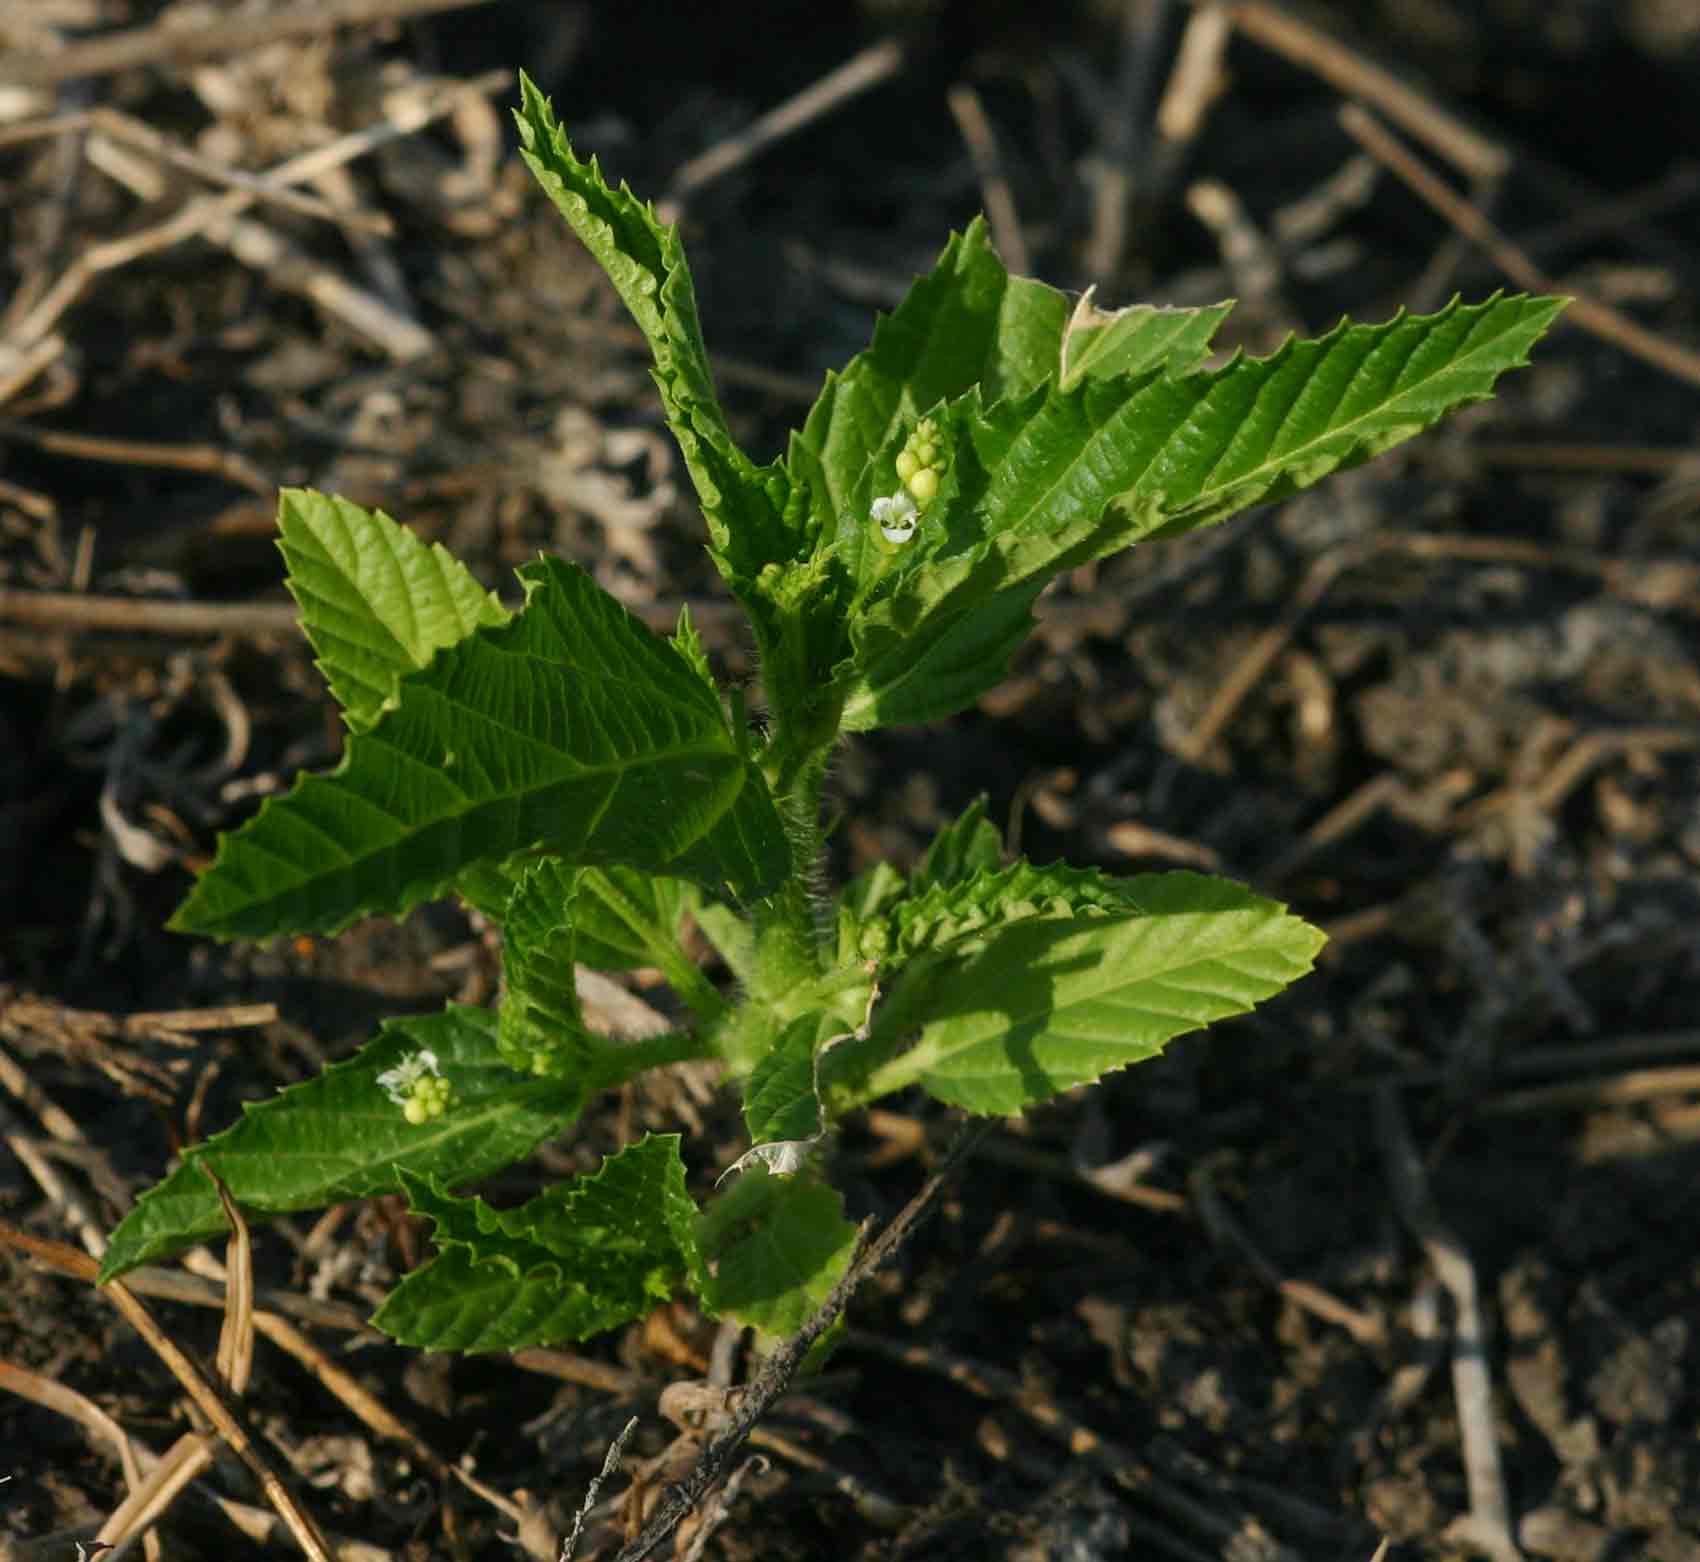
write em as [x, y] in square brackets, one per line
[924, 485]
[874, 941]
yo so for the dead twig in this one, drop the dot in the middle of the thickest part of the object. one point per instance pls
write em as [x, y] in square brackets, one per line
[982, 143]
[782, 1364]
[1602, 320]
[1489, 1520]
[1367, 1329]
[228, 464]
[168, 42]
[1478, 157]
[404, 115]
[68, 1261]
[856, 75]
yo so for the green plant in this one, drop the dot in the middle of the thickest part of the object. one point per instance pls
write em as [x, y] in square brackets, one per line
[589, 786]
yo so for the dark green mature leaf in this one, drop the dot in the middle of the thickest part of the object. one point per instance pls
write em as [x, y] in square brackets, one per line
[376, 602]
[571, 728]
[627, 919]
[340, 1137]
[585, 1256]
[1025, 1010]
[541, 1030]
[1066, 475]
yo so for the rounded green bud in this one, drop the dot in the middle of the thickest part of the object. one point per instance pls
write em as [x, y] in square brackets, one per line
[924, 485]
[874, 941]
[907, 464]
[415, 1110]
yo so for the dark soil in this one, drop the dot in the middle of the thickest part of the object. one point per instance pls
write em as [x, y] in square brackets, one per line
[1218, 1307]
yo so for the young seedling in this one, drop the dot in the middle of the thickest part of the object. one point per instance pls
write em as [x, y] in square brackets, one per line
[582, 782]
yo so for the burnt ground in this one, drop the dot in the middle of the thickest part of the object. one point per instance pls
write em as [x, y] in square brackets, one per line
[1409, 1255]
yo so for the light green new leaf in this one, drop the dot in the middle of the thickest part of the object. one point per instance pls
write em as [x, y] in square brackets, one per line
[1100, 344]
[1067, 475]
[339, 1136]
[967, 323]
[969, 844]
[375, 601]
[571, 728]
[1032, 1008]
[585, 1256]
[776, 1247]
[941, 914]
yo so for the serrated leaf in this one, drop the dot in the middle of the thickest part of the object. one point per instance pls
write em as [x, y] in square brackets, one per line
[585, 1256]
[941, 913]
[967, 322]
[541, 1030]
[969, 844]
[644, 259]
[779, 1095]
[1067, 475]
[340, 1137]
[688, 643]
[1040, 1005]
[571, 728]
[777, 1246]
[627, 919]
[1103, 343]
[375, 601]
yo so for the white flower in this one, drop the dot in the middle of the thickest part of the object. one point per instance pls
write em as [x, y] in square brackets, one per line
[398, 1082]
[895, 517]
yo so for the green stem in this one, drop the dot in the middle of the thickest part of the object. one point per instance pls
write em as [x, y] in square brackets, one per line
[695, 991]
[624, 1059]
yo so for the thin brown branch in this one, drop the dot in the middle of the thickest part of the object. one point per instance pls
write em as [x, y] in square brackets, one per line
[169, 43]
[1605, 322]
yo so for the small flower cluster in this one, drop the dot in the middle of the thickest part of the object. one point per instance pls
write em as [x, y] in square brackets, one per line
[417, 1086]
[921, 465]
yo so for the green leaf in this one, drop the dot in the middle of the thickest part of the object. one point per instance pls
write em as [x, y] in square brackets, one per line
[340, 1137]
[942, 912]
[967, 322]
[571, 728]
[585, 1256]
[1042, 483]
[375, 601]
[732, 937]
[626, 919]
[1037, 1006]
[1101, 344]
[541, 1030]
[644, 259]
[967, 325]
[779, 1095]
[776, 1246]
[969, 844]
